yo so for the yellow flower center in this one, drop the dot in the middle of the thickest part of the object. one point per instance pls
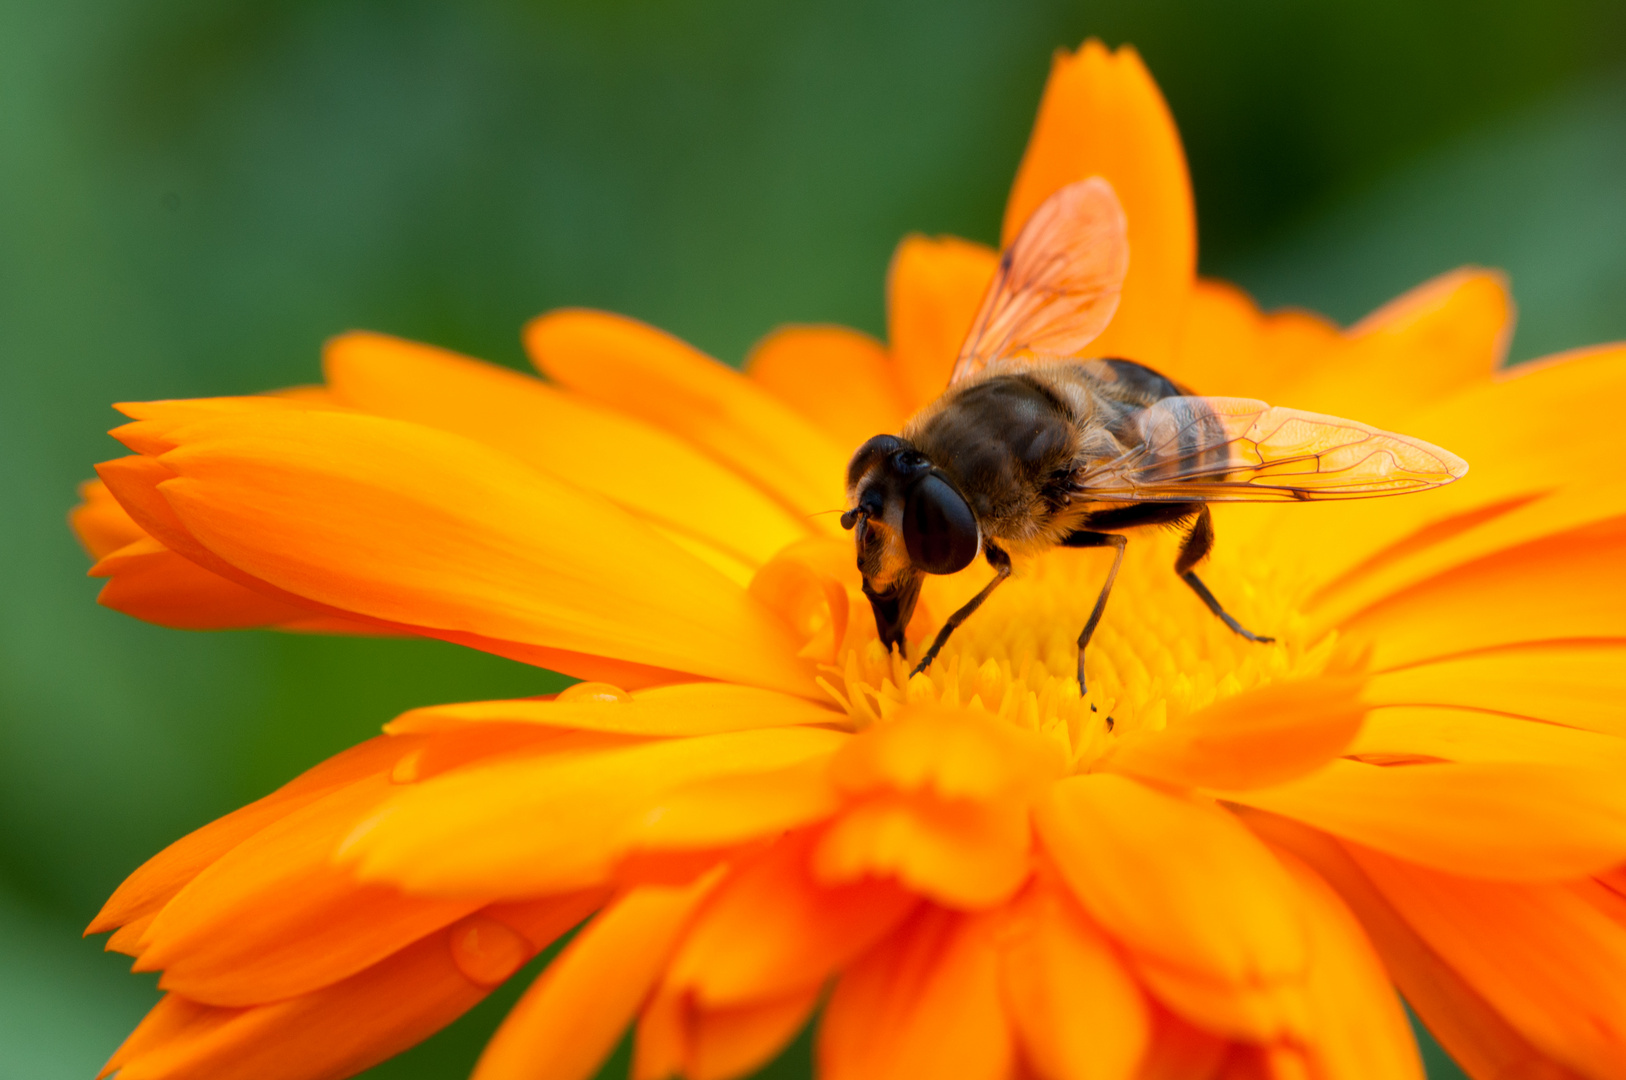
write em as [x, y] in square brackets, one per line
[1158, 655]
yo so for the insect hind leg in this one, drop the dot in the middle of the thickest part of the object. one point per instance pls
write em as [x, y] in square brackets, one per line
[1198, 543]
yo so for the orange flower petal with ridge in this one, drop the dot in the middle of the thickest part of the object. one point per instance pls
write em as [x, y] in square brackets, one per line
[1218, 932]
[731, 810]
[274, 918]
[1563, 587]
[100, 523]
[926, 1002]
[1471, 1031]
[837, 378]
[961, 854]
[567, 1023]
[1546, 959]
[1102, 115]
[1535, 472]
[1256, 738]
[158, 879]
[402, 523]
[771, 930]
[676, 1038]
[546, 823]
[1496, 821]
[685, 709]
[135, 481]
[338, 1030]
[1577, 684]
[650, 374]
[1358, 1028]
[148, 581]
[949, 753]
[1424, 732]
[652, 474]
[1078, 1013]
[1178, 1051]
[934, 287]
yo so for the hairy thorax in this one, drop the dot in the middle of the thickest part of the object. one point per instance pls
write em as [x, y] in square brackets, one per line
[1013, 441]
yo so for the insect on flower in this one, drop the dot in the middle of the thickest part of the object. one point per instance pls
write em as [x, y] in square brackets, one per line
[1031, 447]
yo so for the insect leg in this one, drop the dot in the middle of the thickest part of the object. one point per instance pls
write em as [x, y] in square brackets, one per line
[1198, 543]
[1001, 563]
[1084, 539]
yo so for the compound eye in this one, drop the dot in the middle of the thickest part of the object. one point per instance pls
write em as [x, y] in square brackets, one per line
[938, 527]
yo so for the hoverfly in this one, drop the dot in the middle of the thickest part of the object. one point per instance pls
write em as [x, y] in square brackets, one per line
[1032, 446]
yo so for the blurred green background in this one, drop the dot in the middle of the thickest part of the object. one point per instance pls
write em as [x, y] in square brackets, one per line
[194, 194]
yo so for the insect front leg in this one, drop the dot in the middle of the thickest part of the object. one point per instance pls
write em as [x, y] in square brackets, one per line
[1001, 563]
[1087, 539]
[1198, 543]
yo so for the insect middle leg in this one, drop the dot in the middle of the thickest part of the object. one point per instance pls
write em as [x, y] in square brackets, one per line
[1198, 543]
[1087, 539]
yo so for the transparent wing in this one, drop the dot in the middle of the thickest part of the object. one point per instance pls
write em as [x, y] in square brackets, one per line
[1058, 283]
[1237, 450]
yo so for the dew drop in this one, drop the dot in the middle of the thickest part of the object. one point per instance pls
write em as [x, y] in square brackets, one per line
[601, 692]
[487, 951]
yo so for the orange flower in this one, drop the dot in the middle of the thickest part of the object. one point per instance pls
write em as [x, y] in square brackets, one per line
[980, 876]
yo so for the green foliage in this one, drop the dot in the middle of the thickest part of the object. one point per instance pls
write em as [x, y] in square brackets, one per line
[194, 195]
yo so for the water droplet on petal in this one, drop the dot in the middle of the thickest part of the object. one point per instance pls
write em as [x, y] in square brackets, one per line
[595, 691]
[487, 951]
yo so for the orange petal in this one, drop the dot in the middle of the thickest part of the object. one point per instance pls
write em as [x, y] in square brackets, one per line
[418, 527]
[569, 1020]
[1229, 347]
[134, 480]
[341, 1029]
[1499, 821]
[684, 709]
[731, 810]
[652, 375]
[1211, 919]
[1535, 473]
[949, 753]
[152, 885]
[552, 822]
[676, 1038]
[1577, 684]
[1441, 337]
[1466, 1025]
[1078, 1013]
[1102, 115]
[1547, 960]
[652, 474]
[1358, 1028]
[273, 918]
[815, 598]
[961, 854]
[934, 287]
[1427, 733]
[150, 582]
[1253, 739]
[1178, 1051]
[771, 931]
[101, 524]
[1563, 587]
[726, 1043]
[838, 378]
[924, 1003]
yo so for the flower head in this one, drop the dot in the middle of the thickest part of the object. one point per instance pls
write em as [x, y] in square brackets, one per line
[1220, 861]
